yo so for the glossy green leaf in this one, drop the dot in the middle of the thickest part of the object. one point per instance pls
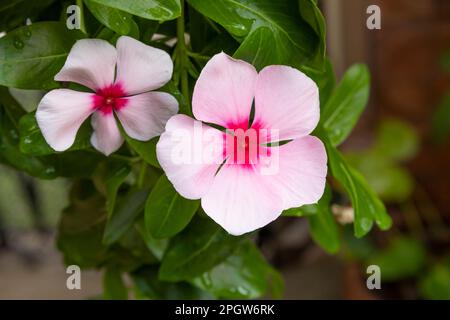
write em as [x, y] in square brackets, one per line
[28, 99]
[108, 178]
[15, 12]
[116, 20]
[160, 10]
[125, 213]
[30, 56]
[271, 32]
[346, 104]
[32, 141]
[113, 286]
[149, 287]
[196, 250]
[368, 207]
[166, 212]
[323, 226]
[243, 275]
[10, 153]
[404, 257]
[310, 13]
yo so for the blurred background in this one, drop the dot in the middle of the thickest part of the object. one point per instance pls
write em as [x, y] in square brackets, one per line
[401, 144]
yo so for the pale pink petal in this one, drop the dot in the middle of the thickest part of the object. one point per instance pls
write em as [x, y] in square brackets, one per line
[106, 137]
[224, 92]
[141, 68]
[190, 154]
[300, 170]
[286, 100]
[240, 200]
[91, 62]
[243, 198]
[145, 115]
[60, 114]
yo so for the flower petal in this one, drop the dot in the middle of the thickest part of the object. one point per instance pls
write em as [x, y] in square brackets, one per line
[190, 154]
[145, 115]
[60, 114]
[224, 92]
[244, 198]
[106, 137]
[240, 200]
[300, 171]
[91, 62]
[286, 100]
[140, 67]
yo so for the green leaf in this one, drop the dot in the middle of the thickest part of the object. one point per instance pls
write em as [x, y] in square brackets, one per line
[148, 286]
[30, 56]
[161, 10]
[389, 181]
[32, 141]
[405, 145]
[196, 250]
[379, 165]
[81, 227]
[368, 207]
[113, 286]
[271, 32]
[435, 285]
[156, 246]
[145, 149]
[404, 257]
[243, 275]
[441, 121]
[323, 227]
[28, 99]
[9, 148]
[166, 212]
[108, 178]
[124, 214]
[310, 13]
[302, 211]
[116, 20]
[15, 12]
[346, 104]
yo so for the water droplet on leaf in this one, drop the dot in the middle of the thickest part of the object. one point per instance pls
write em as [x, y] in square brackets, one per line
[18, 44]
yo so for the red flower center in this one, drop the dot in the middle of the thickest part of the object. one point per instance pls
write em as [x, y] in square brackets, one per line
[243, 145]
[109, 98]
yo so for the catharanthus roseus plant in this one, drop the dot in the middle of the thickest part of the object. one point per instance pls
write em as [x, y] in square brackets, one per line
[92, 63]
[208, 120]
[249, 182]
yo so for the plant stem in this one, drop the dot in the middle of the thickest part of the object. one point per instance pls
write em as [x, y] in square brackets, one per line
[197, 56]
[82, 25]
[142, 173]
[182, 56]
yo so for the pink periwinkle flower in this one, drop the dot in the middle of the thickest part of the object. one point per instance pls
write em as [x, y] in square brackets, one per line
[244, 184]
[121, 79]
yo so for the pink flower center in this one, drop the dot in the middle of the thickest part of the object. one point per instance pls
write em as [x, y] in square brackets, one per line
[109, 98]
[244, 146]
